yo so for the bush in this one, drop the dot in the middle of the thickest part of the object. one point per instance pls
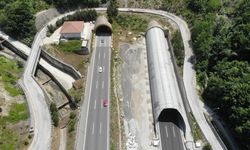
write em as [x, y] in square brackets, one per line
[72, 122]
[72, 115]
[178, 48]
[26, 143]
[54, 114]
[207, 147]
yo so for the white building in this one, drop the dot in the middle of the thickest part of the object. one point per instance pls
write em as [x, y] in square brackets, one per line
[72, 30]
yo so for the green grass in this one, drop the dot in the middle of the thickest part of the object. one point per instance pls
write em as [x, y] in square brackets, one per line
[132, 22]
[76, 94]
[17, 113]
[197, 134]
[8, 137]
[9, 73]
[70, 46]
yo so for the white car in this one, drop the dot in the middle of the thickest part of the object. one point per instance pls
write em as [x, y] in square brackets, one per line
[100, 69]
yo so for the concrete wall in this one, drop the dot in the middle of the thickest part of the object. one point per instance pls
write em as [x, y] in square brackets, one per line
[65, 92]
[61, 65]
[53, 61]
[14, 49]
[71, 35]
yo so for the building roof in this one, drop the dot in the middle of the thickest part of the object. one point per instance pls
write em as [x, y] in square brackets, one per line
[72, 27]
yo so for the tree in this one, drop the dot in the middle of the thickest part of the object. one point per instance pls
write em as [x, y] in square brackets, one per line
[229, 89]
[18, 20]
[112, 10]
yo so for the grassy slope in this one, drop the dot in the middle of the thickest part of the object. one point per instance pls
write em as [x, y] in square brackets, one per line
[69, 46]
[9, 74]
[8, 137]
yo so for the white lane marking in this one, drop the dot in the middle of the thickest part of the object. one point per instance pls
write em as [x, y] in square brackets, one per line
[104, 55]
[100, 131]
[109, 60]
[103, 69]
[93, 128]
[99, 55]
[91, 80]
[166, 128]
[102, 84]
[173, 131]
[96, 86]
[95, 105]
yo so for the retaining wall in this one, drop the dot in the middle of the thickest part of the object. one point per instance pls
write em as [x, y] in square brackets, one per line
[60, 65]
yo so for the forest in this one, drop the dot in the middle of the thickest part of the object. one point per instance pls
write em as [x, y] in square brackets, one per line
[221, 41]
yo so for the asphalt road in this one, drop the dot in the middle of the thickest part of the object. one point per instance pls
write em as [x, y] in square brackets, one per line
[170, 136]
[96, 132]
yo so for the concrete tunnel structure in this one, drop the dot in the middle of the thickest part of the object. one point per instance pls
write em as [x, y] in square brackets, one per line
[102, 26]
[165, 94]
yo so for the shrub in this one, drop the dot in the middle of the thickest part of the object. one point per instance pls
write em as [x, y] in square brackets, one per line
[54, 114]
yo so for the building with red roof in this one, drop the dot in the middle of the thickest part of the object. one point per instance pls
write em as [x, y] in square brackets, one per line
[72, 30]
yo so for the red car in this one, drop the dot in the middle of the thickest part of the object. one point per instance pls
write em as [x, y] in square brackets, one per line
[105, 103]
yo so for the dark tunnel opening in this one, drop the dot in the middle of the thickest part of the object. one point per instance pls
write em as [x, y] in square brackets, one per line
[172, 115]
[103, 31]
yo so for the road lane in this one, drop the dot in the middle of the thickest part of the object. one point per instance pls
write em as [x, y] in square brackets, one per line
[170, 136]
[97, 120]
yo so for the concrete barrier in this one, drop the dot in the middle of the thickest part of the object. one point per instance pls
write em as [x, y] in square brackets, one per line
[65, 92]
[61, 65]
[14, 49]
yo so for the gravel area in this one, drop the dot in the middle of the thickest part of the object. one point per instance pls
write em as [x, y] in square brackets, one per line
[136, 100]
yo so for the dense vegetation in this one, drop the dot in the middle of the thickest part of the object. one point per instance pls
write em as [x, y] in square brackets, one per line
[17, 20]
[88, 15]
[221, 42]
[73, 3]
[112, 10]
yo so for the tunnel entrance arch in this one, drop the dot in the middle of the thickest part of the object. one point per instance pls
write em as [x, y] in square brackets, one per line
[102, 26]
[172, 115]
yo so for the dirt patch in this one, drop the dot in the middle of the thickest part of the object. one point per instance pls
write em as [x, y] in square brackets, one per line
[55, 139]
[135, 95]
[53, 91]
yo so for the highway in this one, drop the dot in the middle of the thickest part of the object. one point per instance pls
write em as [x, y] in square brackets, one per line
[188, 75]
[96, 125]
[170, 136]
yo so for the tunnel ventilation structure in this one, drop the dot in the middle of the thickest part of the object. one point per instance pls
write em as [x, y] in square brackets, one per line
[165, 94]
[102, 26]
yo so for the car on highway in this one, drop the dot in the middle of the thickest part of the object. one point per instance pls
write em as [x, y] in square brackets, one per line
[105, 103]
[100, 69]
[102, 40]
